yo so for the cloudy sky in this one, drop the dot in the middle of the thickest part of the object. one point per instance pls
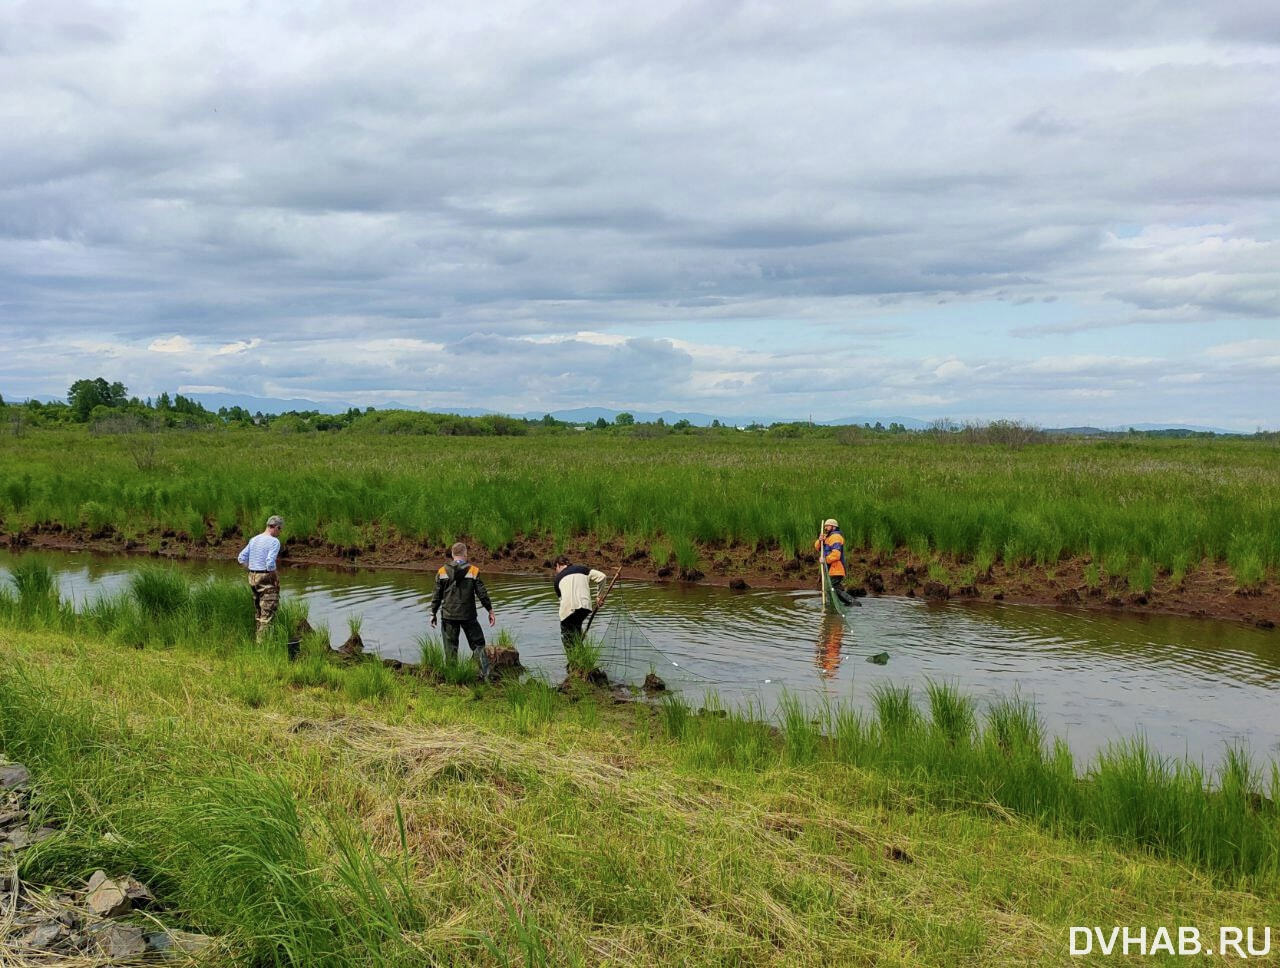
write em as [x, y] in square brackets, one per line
[1060, 212]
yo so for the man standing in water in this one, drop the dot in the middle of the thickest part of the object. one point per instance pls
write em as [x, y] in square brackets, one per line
[259, 557]
[831, 548]
[573, 588]
[458, 586]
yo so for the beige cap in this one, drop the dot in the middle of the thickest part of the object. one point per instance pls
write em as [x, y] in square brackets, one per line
[831, 523]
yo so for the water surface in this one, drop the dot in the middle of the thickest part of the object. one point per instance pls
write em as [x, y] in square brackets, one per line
[1192, 686]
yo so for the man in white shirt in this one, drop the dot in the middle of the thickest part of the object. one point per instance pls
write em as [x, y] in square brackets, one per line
[259, 557]
[573, 588]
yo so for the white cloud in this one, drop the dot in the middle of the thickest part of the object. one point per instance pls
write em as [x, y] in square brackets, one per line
[683, 202]
[239, 346]
[171, 344]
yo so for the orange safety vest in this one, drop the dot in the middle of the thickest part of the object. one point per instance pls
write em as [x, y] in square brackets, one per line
[832, 546]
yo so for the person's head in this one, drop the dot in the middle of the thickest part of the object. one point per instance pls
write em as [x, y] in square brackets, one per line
[561, 563]
[829, 525]
[274, 524]
[459, 551]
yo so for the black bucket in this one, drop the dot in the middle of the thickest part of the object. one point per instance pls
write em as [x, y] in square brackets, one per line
[293, 645]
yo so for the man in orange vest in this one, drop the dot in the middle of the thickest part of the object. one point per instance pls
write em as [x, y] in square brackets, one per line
[831, 547]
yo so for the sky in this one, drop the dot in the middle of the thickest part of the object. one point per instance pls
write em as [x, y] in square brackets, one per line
[1065, 213]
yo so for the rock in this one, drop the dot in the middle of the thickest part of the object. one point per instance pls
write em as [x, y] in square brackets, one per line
[620, 694]
[138, 893]
[968, 591]
[691, 574]
[880, 658]
[936, 591]
[45, 935]
[1265, 623]
[179, 945]
[116, 941]
[739, 585]
[395, 665]
[503, 659]
[14, 776]
[1138, 599]
[653, 684]
[665, 571]
[106, 898]
[353, 647]
[857, 591]
[874, 581]
[20, 837]
[911, 593]
[10, 818]
[1068, 597]
[597, 677]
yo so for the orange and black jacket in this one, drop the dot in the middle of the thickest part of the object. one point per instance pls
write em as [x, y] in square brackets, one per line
[832, 546]
[458, 585]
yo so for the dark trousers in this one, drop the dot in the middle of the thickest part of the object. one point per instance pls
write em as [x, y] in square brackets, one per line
[475, 638]
[571, 627]
[837, 586]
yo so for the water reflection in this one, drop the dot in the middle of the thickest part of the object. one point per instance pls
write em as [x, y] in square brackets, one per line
[830, 651]
[1191, 685]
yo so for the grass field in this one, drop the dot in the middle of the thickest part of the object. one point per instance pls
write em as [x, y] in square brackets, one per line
[1135, 507]
[315, 813]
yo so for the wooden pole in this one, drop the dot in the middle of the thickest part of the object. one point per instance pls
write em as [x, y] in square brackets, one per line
[592, 617]
[822, 570]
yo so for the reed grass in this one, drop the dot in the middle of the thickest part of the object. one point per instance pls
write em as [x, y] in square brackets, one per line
[1166, 501]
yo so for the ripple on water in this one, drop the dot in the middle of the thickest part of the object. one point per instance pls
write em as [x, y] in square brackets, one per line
[1191, 686]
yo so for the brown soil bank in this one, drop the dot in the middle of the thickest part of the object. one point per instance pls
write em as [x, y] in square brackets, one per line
[1208, 590]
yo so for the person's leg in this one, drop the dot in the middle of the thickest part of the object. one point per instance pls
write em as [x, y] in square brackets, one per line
[449, 634]
[571, 627]
[837, 586]
[475, 639]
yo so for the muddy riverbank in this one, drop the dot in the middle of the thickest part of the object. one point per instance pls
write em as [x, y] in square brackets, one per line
[1206, 591]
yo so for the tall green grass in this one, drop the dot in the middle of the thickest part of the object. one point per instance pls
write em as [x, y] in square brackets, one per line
[1172, 503]
[228, 847]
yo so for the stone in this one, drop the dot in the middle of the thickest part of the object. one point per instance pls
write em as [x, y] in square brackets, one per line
[20, 837]
[739, 585]
[179, 945]
[880, 658]
[45, 935]
[10, 818]
[115, 940]
[936, 591]
[1068, 597]
[106, 898]
[139, 894]
[654, 684]
[14, 776]
[874, 581]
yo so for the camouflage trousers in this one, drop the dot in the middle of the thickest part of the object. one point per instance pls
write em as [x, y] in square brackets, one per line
[266, 597]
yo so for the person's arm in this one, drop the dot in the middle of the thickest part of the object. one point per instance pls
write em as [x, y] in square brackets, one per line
[273, 552]
[243, 557]
[596, 576]
[436, 597]
[482, 593]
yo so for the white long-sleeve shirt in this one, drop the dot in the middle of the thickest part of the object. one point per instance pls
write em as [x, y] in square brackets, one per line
[260, 553]
[575, 591]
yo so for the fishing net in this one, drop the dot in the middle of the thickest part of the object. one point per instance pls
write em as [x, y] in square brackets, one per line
[629, 656]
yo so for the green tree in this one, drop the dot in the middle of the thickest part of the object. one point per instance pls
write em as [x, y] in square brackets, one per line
[84, 395]
[624, 419]
[601, 423]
